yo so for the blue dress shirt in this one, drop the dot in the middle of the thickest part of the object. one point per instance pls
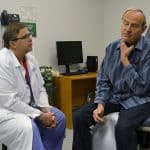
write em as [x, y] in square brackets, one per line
[130, 85]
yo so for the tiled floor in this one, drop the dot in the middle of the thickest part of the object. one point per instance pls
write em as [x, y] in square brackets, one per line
[67, 145]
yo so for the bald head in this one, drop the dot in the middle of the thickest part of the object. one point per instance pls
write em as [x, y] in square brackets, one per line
[137, 11]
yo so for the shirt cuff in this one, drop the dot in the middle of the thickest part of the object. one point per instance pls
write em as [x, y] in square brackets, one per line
[99, 102]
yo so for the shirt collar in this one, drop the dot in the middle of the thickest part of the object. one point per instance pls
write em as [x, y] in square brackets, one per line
[15, 60]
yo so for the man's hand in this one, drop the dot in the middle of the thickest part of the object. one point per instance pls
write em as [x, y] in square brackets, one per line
[98, 113]
[125, 51]
[48, 119]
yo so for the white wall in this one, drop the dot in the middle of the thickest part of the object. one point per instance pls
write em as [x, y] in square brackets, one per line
[112, 16]
[63, 20]
[95, 22]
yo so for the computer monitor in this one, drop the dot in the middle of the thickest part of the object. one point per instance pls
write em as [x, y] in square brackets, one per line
[69, 52]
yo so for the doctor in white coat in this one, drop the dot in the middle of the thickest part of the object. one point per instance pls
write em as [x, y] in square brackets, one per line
[27, 121]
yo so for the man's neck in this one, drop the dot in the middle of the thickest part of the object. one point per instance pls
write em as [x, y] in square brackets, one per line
[19, 56]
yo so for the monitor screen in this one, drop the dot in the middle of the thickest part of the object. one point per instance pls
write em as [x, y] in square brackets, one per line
[69, 52]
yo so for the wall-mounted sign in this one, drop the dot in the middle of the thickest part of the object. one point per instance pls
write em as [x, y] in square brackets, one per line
[31, 27]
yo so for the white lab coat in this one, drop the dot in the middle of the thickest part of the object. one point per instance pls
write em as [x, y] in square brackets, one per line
[15, 96]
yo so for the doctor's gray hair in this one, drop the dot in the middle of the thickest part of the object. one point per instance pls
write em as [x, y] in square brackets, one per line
[11, 32]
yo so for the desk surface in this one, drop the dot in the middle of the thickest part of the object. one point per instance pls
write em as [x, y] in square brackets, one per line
[81, 76]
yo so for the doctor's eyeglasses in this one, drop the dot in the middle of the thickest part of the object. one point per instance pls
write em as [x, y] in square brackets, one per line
[26, 36]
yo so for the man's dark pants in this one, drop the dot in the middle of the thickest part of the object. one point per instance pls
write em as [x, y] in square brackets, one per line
[129, 120]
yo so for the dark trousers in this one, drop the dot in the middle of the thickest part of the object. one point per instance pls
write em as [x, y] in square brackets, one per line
[129, 120]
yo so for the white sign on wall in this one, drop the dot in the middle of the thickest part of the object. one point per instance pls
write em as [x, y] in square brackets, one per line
[28, 14]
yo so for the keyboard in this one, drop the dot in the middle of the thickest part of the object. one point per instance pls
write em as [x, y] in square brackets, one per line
[74, 73]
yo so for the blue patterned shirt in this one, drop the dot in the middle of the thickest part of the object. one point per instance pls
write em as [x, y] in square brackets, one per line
[130, 85]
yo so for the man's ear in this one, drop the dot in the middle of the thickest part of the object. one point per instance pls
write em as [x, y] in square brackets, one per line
[144, 27]
[12, 44]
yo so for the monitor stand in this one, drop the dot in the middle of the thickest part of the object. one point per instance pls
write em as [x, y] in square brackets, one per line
[67, 68]
[68, 73]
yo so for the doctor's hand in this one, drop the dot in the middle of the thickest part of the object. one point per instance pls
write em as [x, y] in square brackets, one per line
[98, 113]
[48, 119]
